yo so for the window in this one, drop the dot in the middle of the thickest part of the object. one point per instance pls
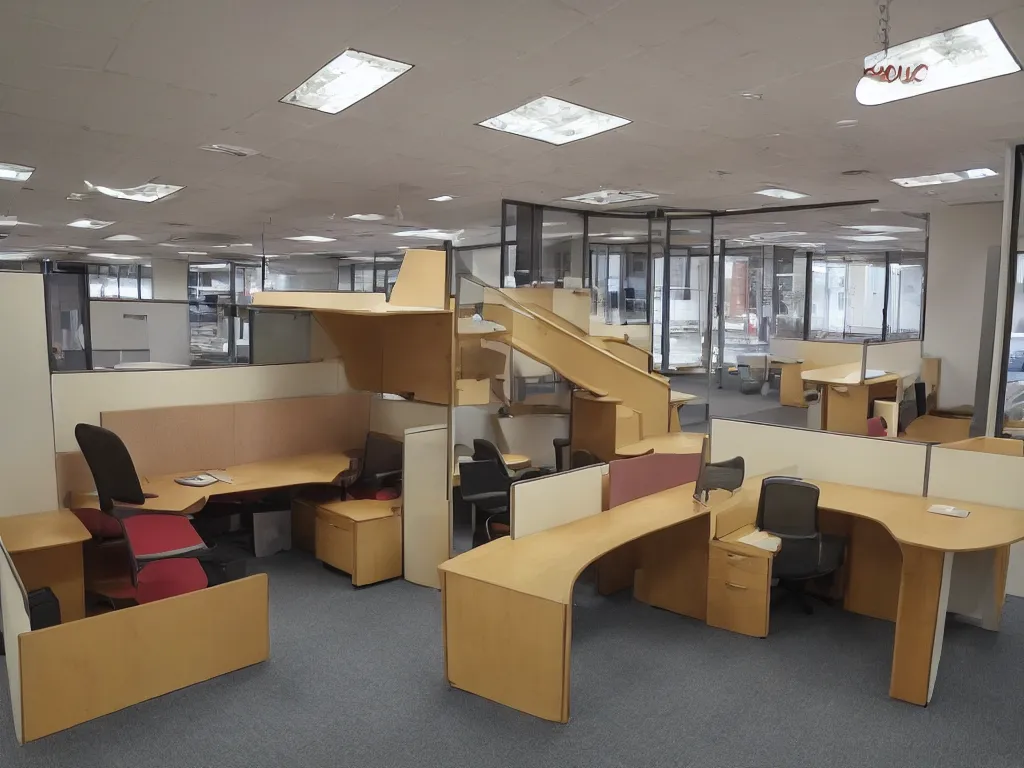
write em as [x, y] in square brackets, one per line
[121, 281]
[561, 257]
[847, 295]
[362, 278]
[302, 273]
[790, 293]
[906, 291]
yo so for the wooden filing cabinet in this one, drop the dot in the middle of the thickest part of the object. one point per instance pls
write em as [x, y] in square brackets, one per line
[739, 588]
[361, 538]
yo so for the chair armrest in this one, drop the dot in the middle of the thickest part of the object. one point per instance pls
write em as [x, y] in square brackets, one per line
[487, 496]
[531, 473]
[392, 477]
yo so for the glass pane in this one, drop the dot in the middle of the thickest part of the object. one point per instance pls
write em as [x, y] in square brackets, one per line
[746, 327]
[66, 321]
[510, 248]
[561, 263]
[209, 329]
[302, 273]
[363, 278]
[790, 286]
[689, 276]
[906, 291]
[865, 292]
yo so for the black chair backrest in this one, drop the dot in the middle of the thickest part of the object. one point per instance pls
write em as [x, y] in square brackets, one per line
[113, 470]
[561, 453]
[485, 450]
[477, 478]
[382, 453]
[583, 459]
[788, 507]
[724, 475]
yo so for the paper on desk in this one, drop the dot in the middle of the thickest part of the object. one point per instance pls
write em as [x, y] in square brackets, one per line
[948, 509]
[762, 540]
[224, 477]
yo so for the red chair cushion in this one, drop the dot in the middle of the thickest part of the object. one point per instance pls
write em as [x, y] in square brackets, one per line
[362, 493]
[167, 578]
[876, 427]
[99, 524]
[156, 535]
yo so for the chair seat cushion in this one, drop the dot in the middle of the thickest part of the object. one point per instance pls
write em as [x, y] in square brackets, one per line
[167, 578]
[363, 492]
[152, 536]
[99, 524]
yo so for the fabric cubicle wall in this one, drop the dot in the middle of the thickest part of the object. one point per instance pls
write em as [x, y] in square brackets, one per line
[27, 473]
[426, 510]
[553, 500]
[879, 463]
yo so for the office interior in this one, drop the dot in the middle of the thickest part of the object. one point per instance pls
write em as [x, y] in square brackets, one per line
[366, 433]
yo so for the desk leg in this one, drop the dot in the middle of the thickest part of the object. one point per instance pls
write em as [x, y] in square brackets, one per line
[920, 623]
[506, 646]
[60, 569]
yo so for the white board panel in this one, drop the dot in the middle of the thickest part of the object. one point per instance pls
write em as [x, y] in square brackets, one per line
[426, 520]
[27, 473]
[81, 397]
[553, 500]
[15, 622]
[887, 465]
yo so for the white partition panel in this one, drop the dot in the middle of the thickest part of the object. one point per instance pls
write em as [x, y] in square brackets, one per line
[869, 462]
[393, 416]
[15, 622]
[426, 521]
[986, 478]
[532, 435]
[817, 354]
[553, 500]
[899, 357]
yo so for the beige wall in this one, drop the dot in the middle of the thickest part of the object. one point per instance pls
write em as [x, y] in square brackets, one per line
[28, 477]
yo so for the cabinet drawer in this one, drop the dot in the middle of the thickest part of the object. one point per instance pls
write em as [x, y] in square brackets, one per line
[737, 607]
[752, 573]
[750, 563]
[334, 545]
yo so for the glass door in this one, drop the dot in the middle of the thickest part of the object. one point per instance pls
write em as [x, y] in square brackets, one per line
[745, 317]
[689, 273]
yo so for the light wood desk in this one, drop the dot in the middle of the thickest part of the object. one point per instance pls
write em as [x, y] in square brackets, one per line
[677, 442]
[169, 496]
[791, 385]
[938, 429]
[514, 461]
[46, 548]
[514, 598]
[846, 399]
[903, 564]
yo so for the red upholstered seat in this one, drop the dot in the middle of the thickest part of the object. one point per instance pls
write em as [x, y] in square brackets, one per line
[365, 492]
[877, 427]
[99, 524]
[160, 535]
[167, 578]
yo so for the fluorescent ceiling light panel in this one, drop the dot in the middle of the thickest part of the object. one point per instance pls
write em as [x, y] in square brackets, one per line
[611, 197]
[229, 149]
[241, 245]
[442, 199]
[192, 253]
[312, 239]
[144, 193]
[884, 228]
[342, 82]
[866, 238]
[366, 217]
[15, 172]
[89, 223]
[554, 121]
[762, 236]
[430, 234]
[114, 256]
[208, 266]
[8, 221]
[123, 238]
[945, 178]
[77, 197]
[781, 194]
[966, 54]
[12, 256]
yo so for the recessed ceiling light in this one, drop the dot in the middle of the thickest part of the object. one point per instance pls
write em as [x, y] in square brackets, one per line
[13, 256]
[241, 245]
[866, 238]
[430, 234]
[782, 194]
[554, 121]
[945, 178]
[882, 228]
[752, 96]
[77, 197]
[8, 221]
[762, 236]
[342, 82]
[955, 57]
[312, 239]
[611, 197]
[15, 172]
[89, 223]
[123, 238]
[846, 123]
[144, 193]
[620, 238]
[192, 253]
[207, 266]
[114, 256]
[442, 198]
[366, 216]
[218, 246]
[229, 149]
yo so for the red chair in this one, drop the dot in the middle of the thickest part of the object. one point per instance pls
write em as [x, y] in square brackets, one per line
[164, 542]
[877, 427]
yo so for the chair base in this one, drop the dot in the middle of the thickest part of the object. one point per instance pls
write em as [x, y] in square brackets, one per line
[797, 591]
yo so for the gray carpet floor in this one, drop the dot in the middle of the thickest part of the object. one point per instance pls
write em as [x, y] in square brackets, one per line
[356, 679]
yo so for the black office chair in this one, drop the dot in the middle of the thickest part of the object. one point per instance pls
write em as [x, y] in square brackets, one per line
[485, 450]
[721, 475]
[487, 487]
[380, 469]
[583, 459]
[562, 457]
[788, 508]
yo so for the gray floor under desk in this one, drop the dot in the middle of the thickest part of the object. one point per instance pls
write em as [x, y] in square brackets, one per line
[356, 679]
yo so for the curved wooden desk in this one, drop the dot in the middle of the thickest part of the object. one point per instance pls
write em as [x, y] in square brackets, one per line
[676, 442]
[169, 496]
[903, 564]
[508, 604]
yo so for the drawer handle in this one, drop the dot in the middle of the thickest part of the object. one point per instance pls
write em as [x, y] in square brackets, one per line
[732, 556]
[734, 586]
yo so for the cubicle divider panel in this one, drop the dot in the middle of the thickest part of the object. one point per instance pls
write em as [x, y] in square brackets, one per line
[818, 354]
[554, 500]
[1001, 446]
[359, 341]
[73, 476]
[426, 516]
[421, 280]
[16, 622]
[76, 672]
[594, 425]
[900, 357]
[878, 463]
[630, 479]
[531, 435]
[417, 356]
[393, 416]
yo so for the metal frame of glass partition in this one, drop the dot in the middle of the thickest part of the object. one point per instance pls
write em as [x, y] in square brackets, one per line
[1013, 276]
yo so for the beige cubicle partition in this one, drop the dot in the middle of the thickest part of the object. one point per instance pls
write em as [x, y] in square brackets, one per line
[426, 509]
[560, 499]
[902, 358]
[63, 676]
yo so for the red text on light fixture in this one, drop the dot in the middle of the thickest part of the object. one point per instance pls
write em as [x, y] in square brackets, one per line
[893, 74]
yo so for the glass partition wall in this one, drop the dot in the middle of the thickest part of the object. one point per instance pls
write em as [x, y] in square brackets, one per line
[1010, 404]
